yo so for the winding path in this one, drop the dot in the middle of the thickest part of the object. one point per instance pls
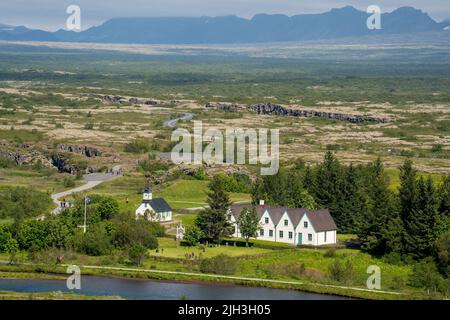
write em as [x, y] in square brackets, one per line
[92, 180]
[173, 122]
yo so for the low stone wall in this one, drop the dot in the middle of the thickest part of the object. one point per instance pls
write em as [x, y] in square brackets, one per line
[279, 110]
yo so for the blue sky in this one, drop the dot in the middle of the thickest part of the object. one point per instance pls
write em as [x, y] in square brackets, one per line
[51, 14]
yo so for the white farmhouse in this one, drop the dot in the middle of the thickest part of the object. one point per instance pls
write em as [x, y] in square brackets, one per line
[153, 209]
[293, 226]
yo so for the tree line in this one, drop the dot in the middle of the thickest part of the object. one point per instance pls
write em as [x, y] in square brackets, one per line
[109, 232]
[410, 222]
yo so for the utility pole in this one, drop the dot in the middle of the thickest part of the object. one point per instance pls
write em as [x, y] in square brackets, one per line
[87, 200]
[85, 214]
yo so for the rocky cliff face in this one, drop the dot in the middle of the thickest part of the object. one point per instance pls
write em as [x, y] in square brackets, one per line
[275, 109]
[123, 100]
[82, 150]
[24, 155]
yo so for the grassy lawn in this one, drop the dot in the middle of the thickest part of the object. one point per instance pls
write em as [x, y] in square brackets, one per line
[346, 237]
[192, 193]
[187, 219]
[41, 181]
[180, 194]
[173, 250]
[394, 177]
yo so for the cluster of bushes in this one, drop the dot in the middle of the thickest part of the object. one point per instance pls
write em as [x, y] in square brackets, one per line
[153, 166]
[23, 202]
[7, 163]
[138, 146]
[108, 230]
[236, 182]
[221, 264]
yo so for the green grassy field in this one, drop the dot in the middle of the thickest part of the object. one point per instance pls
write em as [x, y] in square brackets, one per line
[45, 181]
[172, 249]
[180, 194]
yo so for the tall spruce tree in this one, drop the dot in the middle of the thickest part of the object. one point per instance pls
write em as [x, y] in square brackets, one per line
[420, 226]
[408, 189]
[444, 197]
[309, 180]
[379, 232]
[213, 222]
[218, 199]
[352, 203]
[328, 180]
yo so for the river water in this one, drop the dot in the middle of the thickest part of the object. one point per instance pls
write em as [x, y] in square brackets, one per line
[135, 289]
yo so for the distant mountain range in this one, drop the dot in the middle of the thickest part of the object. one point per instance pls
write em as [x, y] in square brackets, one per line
[336, 23]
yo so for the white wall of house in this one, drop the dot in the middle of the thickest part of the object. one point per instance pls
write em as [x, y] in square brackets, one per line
[163, 216]
[267, 230]
[326, 237]
[305, 233]
[285, 230]
[237, 232]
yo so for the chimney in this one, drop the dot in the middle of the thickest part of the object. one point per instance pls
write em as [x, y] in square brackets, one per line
[261, 202]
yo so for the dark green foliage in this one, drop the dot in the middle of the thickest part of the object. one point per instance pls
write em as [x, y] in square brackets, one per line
[100, 208]
[421, 222]
[39, 235]
[153, 166]
[328, 179]
[96, 241]
[221, 264]
[425, 275]
[342, 272]
[193, 235]
[5, 235]
[138, 146]
[236, 182]
[218, 199]
[381, 230]
[352, 202]
[129, 231]
[444, 197]
[6, 163]
[248, 223]
[407, 190]
[213, 222]
[443, 253]
[136, 253]
[107, 207]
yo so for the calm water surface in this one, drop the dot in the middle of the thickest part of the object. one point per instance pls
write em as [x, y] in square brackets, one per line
[159, 290]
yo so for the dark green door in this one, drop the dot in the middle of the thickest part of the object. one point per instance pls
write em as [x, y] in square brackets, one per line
[299, 238]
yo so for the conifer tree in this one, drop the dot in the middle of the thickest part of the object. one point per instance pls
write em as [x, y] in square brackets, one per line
[376, 234]
[352, 203]
[421, 223]
[407, 190]
[213, 222]
[328, 180]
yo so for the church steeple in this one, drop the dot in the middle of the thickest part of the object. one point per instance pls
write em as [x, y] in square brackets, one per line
[147, 195]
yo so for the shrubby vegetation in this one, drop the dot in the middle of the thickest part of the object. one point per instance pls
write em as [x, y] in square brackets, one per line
[108, 230]
[21, 202]
[138, 146]
[221, 264]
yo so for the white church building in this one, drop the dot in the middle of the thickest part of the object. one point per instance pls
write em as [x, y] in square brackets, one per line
[153, 209]
[293, 226]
